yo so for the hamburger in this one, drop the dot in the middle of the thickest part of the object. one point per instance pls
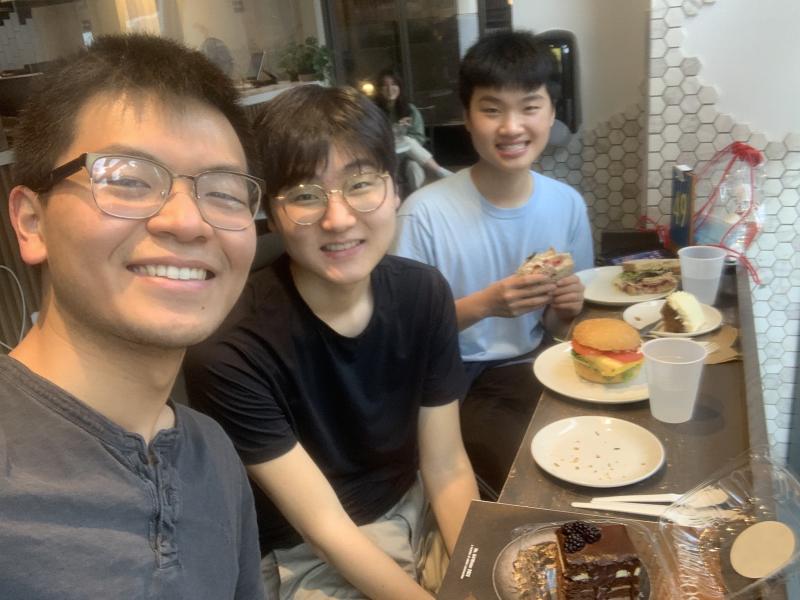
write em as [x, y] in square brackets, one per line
[606, 350]
[554, 265]
[648, 276]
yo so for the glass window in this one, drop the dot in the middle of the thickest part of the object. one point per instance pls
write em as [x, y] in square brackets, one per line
[244, 37]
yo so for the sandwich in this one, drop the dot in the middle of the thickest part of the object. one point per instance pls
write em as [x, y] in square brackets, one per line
[682, 313]
[554, 265]
[648, 276]
[606, 350]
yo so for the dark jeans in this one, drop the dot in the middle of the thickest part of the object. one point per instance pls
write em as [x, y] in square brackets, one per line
[494, 416]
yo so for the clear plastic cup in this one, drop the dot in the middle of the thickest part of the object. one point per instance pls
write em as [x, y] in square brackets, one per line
[701, 269]
[673, 367]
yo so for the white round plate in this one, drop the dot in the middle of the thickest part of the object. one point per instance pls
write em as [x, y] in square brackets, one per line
[599, 452]
[600, 288]
[643, 313]
[554, 369]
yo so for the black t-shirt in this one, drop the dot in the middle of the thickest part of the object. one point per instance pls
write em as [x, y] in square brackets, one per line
[275, 375]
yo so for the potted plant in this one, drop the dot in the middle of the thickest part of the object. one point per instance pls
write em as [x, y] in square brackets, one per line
[306, 61]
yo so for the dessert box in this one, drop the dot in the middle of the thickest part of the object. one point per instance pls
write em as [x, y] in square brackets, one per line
[483, 563]
[700, 549]
[737, 536]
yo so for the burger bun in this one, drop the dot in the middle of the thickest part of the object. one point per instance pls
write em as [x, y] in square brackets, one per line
[612, 335]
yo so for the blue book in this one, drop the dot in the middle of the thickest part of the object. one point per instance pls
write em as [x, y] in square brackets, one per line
[681, 229]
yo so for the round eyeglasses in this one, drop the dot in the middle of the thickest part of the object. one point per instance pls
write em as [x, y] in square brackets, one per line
[306, 204]
[131, 187]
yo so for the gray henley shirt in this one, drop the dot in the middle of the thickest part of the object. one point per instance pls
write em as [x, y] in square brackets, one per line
[89, 511]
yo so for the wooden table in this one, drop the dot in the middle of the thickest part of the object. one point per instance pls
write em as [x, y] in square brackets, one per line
[728, 420]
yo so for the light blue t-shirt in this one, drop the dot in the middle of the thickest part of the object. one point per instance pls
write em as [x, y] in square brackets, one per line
[451, 226]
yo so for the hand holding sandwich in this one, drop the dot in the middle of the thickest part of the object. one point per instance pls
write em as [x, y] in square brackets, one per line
[544, 279]
[509, 297]
[568, 297]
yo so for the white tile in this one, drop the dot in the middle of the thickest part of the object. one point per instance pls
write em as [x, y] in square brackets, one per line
[690, 66]
[673, 95]
[775, 151]
[674, 17]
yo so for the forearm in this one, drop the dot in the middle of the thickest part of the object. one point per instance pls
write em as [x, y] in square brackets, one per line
[450, 498]
[555, 323]
[345, 547]
[471, 309]
[305, 497]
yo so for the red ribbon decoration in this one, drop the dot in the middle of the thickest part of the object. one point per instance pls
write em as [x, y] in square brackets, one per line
[661, 230]
[751, 156]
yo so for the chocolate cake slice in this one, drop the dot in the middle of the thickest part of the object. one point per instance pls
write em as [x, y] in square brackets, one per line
[598, 569]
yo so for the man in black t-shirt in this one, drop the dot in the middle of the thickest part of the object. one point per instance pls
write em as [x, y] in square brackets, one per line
[337, 373]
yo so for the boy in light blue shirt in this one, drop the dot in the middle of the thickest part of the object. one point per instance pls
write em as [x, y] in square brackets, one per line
[478, 226]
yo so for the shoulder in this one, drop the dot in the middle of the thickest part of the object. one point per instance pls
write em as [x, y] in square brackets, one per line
[441, 196]
[265, 301]
[204, 432]
[410, 276]
[553, 187]
[398, 267]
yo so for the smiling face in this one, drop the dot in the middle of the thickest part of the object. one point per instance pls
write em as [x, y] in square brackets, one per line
[167, 281]
[389, 88]
[343, 247]
[509, 127]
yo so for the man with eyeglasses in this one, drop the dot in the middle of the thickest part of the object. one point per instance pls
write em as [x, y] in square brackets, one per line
[135, 201]
[337, 373]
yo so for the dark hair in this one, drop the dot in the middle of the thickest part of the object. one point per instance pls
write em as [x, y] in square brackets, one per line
[401, 106]
[508, 59]
[139, 64]
[296, 130]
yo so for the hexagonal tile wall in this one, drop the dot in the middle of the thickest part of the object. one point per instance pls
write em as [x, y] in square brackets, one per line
[604, 164]
[683, 125]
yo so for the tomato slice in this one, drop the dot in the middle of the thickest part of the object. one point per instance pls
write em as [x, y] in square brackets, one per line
[625, 356]
[585, 350]
[620, 356]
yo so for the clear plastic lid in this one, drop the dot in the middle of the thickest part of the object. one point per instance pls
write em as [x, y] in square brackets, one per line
[736, 535]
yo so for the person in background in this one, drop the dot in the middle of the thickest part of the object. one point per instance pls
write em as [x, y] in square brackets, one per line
[337, 384]
[408, 127]
[479, 226]
[134, 200]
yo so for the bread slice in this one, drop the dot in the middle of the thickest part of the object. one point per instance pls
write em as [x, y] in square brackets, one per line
[554, 265]
[673, 265]
[646, 282]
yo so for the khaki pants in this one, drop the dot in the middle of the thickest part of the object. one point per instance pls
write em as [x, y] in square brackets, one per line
[407, 533]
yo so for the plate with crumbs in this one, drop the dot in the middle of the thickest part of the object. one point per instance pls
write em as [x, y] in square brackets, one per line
[641, 314]
[533, 565]
[597, 452]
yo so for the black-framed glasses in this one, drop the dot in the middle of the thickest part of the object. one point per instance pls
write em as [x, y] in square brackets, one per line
[131, 187]
[305, 204]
